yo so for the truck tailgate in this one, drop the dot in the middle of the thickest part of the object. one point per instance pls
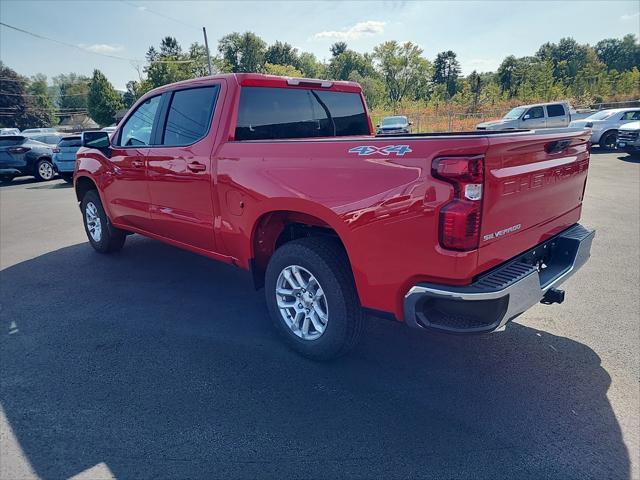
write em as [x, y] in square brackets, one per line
[534, 184]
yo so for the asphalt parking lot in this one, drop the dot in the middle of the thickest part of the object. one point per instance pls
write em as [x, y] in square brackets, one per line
[157, 363]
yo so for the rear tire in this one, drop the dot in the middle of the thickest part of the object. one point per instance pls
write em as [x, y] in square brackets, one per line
[326, 267]
[44, 170]
[608, 140]
[103, 237]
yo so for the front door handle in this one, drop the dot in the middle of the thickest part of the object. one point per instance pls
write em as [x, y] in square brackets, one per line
[137, 163]
[196, 167]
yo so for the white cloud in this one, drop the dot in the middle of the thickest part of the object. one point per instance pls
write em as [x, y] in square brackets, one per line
[630, 16]
[359, 30]
[102, 48]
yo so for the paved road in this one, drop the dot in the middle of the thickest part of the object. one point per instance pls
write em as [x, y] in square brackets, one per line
[156, 363]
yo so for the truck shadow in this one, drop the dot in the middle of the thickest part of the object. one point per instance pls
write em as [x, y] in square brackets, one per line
[162, 364]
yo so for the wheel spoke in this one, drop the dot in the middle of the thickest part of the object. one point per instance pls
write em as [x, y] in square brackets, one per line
[305, 326]
[317, 323]
[286, 292]
[292, 282]
[301, 282]
[284, 304]
[321, 315]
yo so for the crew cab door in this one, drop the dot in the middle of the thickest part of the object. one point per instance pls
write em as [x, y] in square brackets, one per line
[180, 169]
[534, 118]
[557, 117]
[127, 193]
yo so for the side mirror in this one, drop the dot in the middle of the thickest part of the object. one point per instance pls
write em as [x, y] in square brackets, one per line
[526, 117]
[99, 140]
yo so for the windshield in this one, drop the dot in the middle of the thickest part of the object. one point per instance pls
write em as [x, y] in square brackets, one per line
[601, 115]
[394, 120]
[515, 113]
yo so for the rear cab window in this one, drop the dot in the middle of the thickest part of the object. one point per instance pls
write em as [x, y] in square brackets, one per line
[271, 113]
[189, 115]
[556, 110]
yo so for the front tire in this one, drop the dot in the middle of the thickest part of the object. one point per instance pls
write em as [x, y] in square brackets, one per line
[44, 170]
[312, 299]
[608, 140]
[103, 237]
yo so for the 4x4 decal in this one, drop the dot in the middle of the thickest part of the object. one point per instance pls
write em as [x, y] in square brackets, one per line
[398, 150]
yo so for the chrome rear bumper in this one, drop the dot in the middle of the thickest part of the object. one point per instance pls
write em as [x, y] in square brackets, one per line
[503, 293]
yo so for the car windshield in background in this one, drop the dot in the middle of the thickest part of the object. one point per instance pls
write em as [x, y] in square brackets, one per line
[394, 120]
[515, 113]
[70, 142]
[601, 115]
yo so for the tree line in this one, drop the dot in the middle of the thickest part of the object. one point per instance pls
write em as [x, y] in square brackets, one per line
[393, 75]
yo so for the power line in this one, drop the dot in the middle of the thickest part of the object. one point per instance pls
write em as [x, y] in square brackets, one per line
[160, 14]
[77, 47]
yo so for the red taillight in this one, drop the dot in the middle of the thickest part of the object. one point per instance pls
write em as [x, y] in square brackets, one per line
[460, 218]
[18, 150]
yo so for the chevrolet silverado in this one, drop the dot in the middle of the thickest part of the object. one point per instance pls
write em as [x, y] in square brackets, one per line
[454, 232]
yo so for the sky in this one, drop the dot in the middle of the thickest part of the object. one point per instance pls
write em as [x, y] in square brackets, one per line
[482, 33]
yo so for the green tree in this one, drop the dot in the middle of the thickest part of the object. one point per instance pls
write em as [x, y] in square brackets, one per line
[505, 75]
[338, 48]
[103, 100]
[72, 91]
[619, 54]
[567, 58]
[341, 65]
[14, 110]
[242, 52]
[402, 69]
[373, 88]
[282, 54]
[282, 70]
[446, 70]
[40, 101]
[309, 65]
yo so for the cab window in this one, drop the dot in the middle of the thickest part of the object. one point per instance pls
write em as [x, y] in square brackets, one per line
[556, 110]
[136, 131]
[536, 112]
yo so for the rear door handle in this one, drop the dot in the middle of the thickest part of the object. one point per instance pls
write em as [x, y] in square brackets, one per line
[137, 163]
[196, 167]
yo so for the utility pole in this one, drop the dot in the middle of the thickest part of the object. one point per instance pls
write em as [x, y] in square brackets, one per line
[206, 45]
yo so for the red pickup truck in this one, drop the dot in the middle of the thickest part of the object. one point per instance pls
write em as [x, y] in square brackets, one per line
[455, 232]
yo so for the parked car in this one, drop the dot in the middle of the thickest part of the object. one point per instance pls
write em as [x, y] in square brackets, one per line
[394, 125]
[51, 138]
[532, 117]
[9, 131]
[629, 138]
[30, 131]
[20, 155]
[64, 156]
[291, 183]
[604, 125]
